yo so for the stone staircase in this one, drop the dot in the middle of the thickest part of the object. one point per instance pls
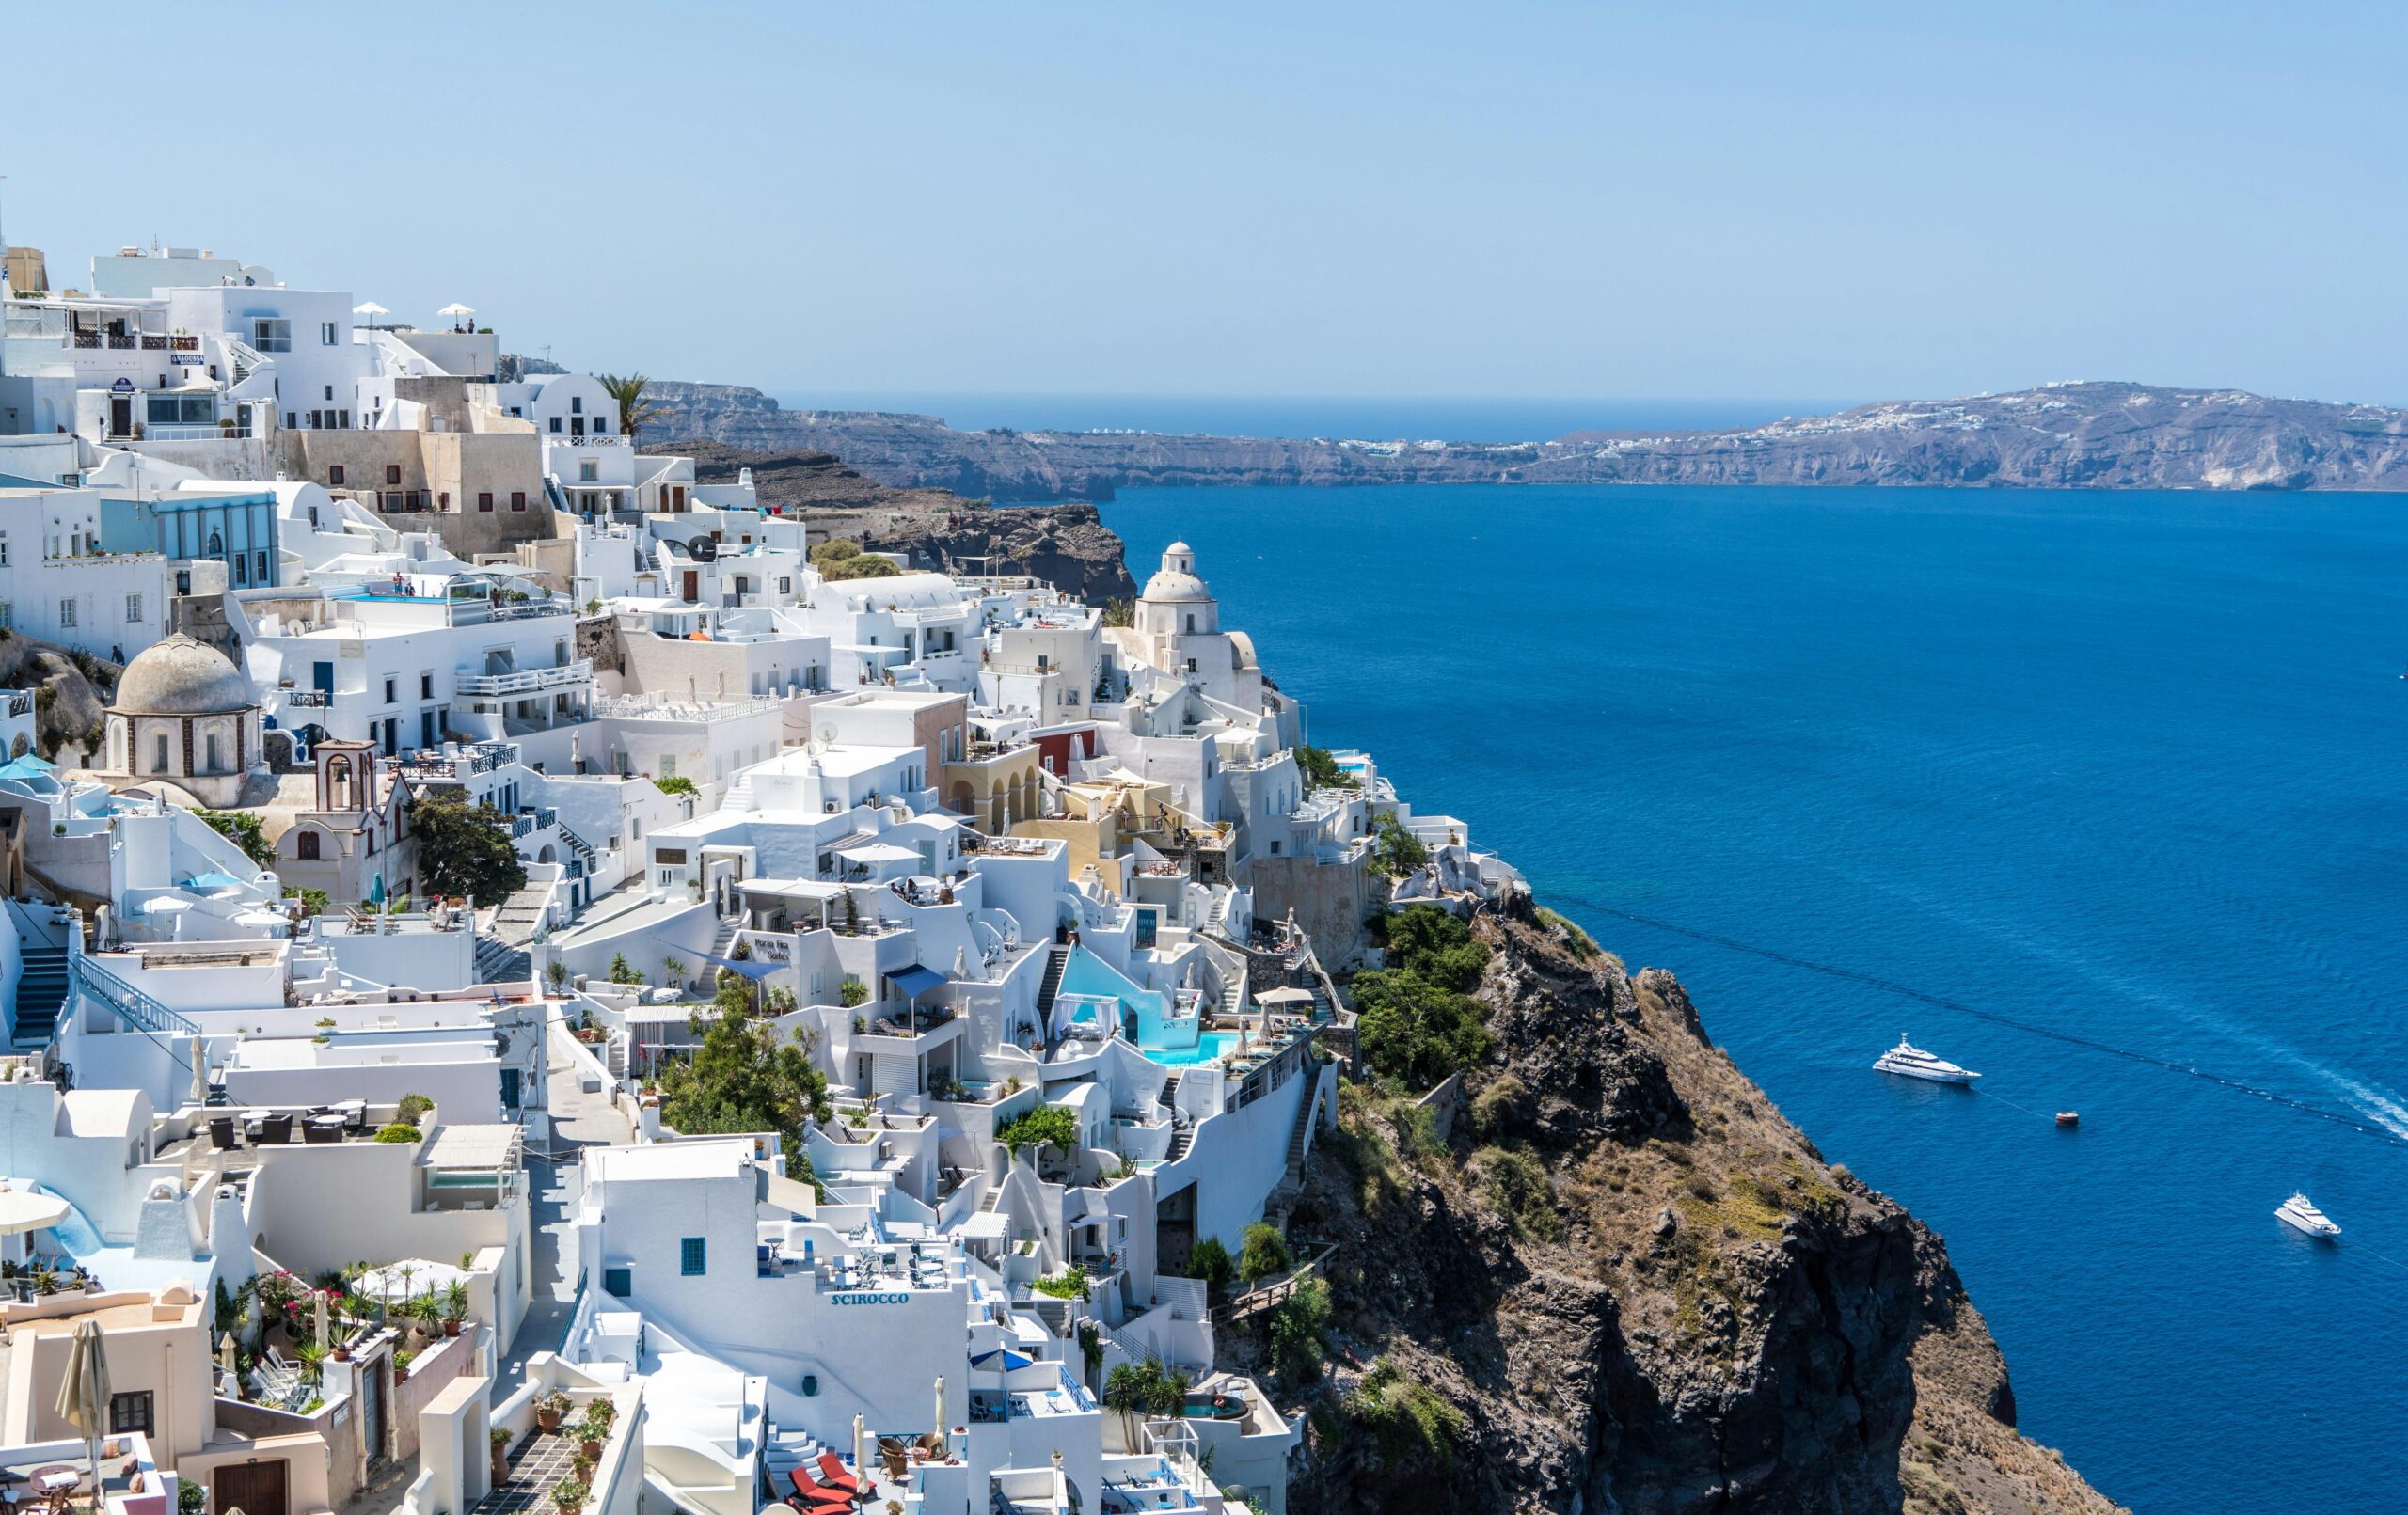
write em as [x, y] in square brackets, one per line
[1180, 1139]
[498, 962]
[739, 793]
[519, 916]
[41, 994]
[1168, 1098]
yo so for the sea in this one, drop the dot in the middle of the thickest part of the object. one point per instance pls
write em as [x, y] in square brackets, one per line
[2102, 794]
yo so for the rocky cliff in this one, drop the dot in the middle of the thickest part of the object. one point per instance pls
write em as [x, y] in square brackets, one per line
[2108, 435]
[1625, 1284]
[1066, 545]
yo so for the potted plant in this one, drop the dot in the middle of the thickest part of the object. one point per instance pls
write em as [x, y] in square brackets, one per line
[401, 1360]
[455, 1307]
[501, 1440]
[568, 1496]
[550, 1410]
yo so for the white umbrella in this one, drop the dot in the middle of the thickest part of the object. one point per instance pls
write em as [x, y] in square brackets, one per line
[22, 1210]
[456, 309]
[199, 1073]
[939, 1407]
[325, 1342]
[226, 1355]
[370, 308]
[860, 1452]
[83, 1394]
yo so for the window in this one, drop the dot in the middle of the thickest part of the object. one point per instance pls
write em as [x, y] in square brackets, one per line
[129, 1413]
[556, 425]
[618, 1282]
[271, 336]
[426, 685]
[159, 762]
[326, 337]
[259, 561]
[330, 391]
[209, 749]
[485, 499]
[67, 612]
[344, 420]
[577, 405]
[292, 420]
[519, 499]
[392, 473]
[334, 476]
[308, 846]
[134, 607]
[667, 770]
[689, 1256]
[7, 615]
[588, 473]
[390, 695]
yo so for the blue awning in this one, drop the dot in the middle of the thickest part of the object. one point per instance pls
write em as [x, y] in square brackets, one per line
[213, 880]
[915, 980]
[1000, 1361]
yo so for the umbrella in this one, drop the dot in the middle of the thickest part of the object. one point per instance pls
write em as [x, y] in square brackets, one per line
[940, 1406]
[200, 1072]
[22, 1211]
[226, 1358]
[212, 881]
[324, 1340]
[83, 1394]
[370, 308]
[456, 309]
[860, 1452]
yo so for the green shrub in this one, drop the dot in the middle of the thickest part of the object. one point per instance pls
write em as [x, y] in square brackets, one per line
[1576, 941]
[1045, 1126]
[397, 1132]
[1322, 771]
[1411, 1028]
[1396, 851]
[1517, 1185]
[868, 566]
[1263, 1253]
[413, 1107]
[1208, 1260]
[1492, 1109]
[675, 784]
[1299, 1332]
[1436, 944]
[1405, 1417]
[1073, 1284]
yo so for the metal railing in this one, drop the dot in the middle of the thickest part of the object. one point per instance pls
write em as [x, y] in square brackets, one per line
[525, 680]
[130, 1004]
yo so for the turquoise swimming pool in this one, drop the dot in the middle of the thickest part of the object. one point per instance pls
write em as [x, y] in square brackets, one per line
[1209, 1048]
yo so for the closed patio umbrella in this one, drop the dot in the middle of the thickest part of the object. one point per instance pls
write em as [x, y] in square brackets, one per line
[939, 1407]
[860, 1451]
[226, 1354]
[324, 1342]
[83, 1394]
[199, 1073]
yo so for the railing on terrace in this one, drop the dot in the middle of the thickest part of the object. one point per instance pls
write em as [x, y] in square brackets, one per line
[643, 706]
[132, 1005]
[523, 681]
[308, 698]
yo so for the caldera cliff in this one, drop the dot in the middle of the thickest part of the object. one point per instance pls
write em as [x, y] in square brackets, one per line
[1621, 1282]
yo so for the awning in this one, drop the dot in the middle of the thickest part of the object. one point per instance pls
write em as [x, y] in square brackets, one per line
[985, 1226]
[1001, 1360]
[915, 980]
[880, 852]
[1284, 996]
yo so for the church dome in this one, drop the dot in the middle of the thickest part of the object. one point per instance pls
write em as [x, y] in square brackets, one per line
[180, 676]
[1177, 579]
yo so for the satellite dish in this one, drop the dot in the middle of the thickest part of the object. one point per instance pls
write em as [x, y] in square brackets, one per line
[827, 735]
[704, 549]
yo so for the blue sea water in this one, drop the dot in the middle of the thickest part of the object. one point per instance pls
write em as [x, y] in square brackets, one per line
[2124, 765]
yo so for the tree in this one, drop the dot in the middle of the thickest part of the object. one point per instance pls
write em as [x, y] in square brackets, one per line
[1263, 1253]
[865, 566]
[635, 412]
[743, 1077]
[1436, 944]
[1396, 851]
[1408, 1028]
[1121, 610]
[1322, 771]
[242, 828]
[676, 784]
[1045, 1126]
[465, 849]
[1299, 1332]
[1209, 1262]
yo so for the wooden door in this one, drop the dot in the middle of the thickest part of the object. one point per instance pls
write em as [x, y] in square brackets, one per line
[253, 1488]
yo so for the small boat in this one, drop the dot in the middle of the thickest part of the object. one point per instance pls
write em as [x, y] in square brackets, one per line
[2067, 1118]
[1910, 1062]
[2297, 1213]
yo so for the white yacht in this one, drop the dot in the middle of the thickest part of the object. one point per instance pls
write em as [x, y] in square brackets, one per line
[1910, 1062]
[2299, 1214]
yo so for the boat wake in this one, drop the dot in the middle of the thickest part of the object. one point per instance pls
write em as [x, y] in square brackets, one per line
[2387, 1122]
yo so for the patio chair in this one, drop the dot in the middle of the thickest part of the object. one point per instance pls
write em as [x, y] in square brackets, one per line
[833, 1475]
[277, 1130]
[812, 1496]
[221, 1132]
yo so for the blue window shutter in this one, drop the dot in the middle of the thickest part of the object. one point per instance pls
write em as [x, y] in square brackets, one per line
[689, 1255]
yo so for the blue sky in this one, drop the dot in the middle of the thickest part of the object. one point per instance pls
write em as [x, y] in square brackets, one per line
[1690, 200]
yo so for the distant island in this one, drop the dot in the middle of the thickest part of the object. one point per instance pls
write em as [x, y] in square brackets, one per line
[2089, 436]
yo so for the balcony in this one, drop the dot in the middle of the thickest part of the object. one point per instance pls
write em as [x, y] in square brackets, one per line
[308, 698]
[523, 681]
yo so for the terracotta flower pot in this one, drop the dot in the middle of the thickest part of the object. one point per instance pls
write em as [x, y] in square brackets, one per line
[593, 1450]
[501, 1467]
[341, 1354]
[547, 1421]
[451, 1328]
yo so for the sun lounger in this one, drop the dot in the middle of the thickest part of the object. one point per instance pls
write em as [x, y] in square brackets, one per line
[833, 1475]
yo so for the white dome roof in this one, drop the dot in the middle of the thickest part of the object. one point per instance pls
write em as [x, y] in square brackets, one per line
[180, 676]
[1176, 580]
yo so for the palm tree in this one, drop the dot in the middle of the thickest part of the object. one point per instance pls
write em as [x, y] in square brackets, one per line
[635, 413]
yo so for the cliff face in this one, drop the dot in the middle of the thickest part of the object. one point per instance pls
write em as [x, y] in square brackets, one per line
[1066, 545]
[1639, 1289]
[2102, 435]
